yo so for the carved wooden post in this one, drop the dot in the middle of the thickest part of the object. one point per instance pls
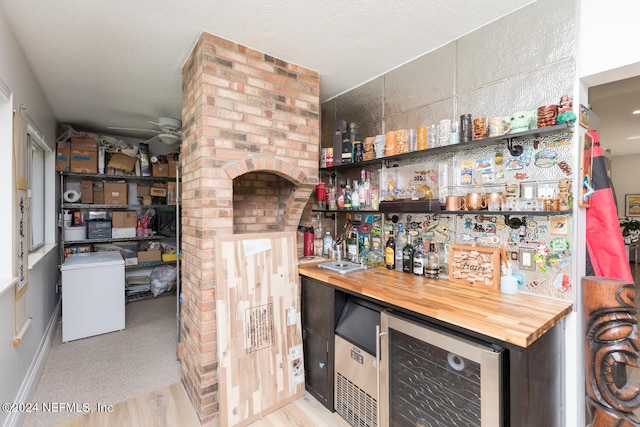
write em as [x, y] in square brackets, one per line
[611, 344]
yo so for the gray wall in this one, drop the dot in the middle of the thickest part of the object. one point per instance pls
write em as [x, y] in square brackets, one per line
[520, 62]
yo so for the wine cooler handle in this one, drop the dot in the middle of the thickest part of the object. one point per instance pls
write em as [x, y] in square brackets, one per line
[379, 336]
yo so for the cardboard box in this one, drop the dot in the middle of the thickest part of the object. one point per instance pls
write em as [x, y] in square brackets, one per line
[86, 192]
[143, 190]
[83, 161]
[131, 261]
[122, 219]
[173, 164]
[158, 192]
[160, 170]
[122, 162]
[123, 232]
[148, 256]
[98, 195]
[146, 200]
[171, 193]
[84, 143]
[115, 193]
[63, 156]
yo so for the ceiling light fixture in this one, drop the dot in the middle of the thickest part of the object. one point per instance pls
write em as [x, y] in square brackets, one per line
[636, 112]
[634, 137]
[169, 138]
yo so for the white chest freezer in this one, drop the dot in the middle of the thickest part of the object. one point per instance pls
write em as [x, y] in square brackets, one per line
[93, 298]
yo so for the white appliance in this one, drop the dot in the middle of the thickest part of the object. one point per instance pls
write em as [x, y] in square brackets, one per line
[92, 294]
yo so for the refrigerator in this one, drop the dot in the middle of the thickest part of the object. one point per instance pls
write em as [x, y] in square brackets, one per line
[93, 297]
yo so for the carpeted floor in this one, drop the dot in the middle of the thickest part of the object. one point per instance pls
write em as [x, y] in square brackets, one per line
[110, 368]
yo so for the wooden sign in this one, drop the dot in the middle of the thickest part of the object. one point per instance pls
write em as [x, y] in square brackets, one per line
[475, 266]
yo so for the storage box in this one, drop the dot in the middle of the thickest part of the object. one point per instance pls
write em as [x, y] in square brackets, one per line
[84, 143]
[173, 164]
[122, 162]
[84, 155]
[143, 190]
[123, 232]
[86, 192]
[128, 250]
[146, 200]
[99, 229]
[123, 219]
[63, 156]
[171, 193]
[158, 192]
[131, 261]
[75, 233]
[115, 193]
[84, 161]
[159, 170]
[98, 195]
[149, 256]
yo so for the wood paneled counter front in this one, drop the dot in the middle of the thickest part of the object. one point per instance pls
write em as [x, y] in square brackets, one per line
[515, 319]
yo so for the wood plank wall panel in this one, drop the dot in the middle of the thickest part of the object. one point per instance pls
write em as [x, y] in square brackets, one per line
[254, 381]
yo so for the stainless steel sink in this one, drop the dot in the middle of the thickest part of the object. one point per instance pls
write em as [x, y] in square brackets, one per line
[342, 267]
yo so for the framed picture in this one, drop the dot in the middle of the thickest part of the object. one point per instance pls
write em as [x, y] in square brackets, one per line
[632, 204]
[584, 116]
[586, 162]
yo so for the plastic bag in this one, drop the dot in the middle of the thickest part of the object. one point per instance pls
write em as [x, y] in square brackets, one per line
[163, 278]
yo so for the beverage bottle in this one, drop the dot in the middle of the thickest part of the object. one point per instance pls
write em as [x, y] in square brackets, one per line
[362, 196]
[340, 199]
[390, 252]
[419, 258]
[327, 244]
[375, 205]
[407, 256]
[432, 263]
[367, 191]
[352, 244]
[347, 196]
[399, 246]
[332, 202]
[355, 196]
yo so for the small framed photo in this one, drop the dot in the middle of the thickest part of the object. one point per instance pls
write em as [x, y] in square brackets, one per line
[528, 190]
[584, 116]
[632, 204]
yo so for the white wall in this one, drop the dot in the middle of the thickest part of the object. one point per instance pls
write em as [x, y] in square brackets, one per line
[19, 364]
[624, 175]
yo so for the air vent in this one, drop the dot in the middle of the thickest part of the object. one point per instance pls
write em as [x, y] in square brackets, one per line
[356, 406]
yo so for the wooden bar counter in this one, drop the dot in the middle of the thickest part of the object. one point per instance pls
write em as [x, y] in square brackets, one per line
[514, 319]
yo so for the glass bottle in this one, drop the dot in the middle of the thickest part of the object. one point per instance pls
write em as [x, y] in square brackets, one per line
[407, 256]
[355, 196]
[432, 263]
[347, 196]
[327, 244]
[399, 246]
[419, 257]
[367, 190]
[331, 194]
[352, 244]
[390, 252]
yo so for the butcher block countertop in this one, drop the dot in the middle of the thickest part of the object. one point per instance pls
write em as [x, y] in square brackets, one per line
[516, 319]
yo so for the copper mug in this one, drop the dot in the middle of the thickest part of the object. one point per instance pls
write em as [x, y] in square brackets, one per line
[475, 201]
[456, 203]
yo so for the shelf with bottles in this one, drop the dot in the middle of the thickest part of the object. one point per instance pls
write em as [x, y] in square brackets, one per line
[508, 138]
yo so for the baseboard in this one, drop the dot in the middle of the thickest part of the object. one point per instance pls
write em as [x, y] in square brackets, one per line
[28, 387]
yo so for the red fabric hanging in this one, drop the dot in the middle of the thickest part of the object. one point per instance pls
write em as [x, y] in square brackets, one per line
[605, 245]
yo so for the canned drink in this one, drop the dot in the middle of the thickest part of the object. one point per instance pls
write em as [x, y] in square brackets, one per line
[329, 157]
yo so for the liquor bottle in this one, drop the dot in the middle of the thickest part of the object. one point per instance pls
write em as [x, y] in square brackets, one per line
[362, 194]
[419, 258]
[390, 252]
[367, 190]
[407, 256]
[399, 246]
[353, 241]
[327, 244]
[332, 203]
[347, 196]
[347, 144]
[355, 196]
[432, 263]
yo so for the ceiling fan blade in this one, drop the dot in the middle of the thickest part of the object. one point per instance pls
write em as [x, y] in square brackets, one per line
[152, 139]
[133, 129]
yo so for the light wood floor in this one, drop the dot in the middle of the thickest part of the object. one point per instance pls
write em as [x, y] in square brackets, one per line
[170, 406]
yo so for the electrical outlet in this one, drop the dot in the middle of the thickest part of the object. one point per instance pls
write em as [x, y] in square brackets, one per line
[525, 258]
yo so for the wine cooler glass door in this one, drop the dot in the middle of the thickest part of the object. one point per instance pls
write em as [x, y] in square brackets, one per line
[433, 378]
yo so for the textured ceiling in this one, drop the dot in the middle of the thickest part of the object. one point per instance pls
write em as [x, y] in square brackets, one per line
[118, 62]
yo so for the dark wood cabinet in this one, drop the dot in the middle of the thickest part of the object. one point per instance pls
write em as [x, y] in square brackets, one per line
[321, 305]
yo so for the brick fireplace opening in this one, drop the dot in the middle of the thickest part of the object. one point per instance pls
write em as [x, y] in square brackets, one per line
[251, 136]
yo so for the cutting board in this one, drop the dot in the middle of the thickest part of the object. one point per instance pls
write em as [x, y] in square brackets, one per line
[258, 324]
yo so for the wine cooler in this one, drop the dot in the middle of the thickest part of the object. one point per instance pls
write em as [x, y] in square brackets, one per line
[432, 377]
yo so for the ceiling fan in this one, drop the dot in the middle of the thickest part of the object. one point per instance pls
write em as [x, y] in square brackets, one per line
[170, 130]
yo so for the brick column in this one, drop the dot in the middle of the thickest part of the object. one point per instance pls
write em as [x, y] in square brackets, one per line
[244, 114]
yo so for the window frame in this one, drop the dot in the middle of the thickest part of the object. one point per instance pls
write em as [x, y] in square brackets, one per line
[36, 169]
